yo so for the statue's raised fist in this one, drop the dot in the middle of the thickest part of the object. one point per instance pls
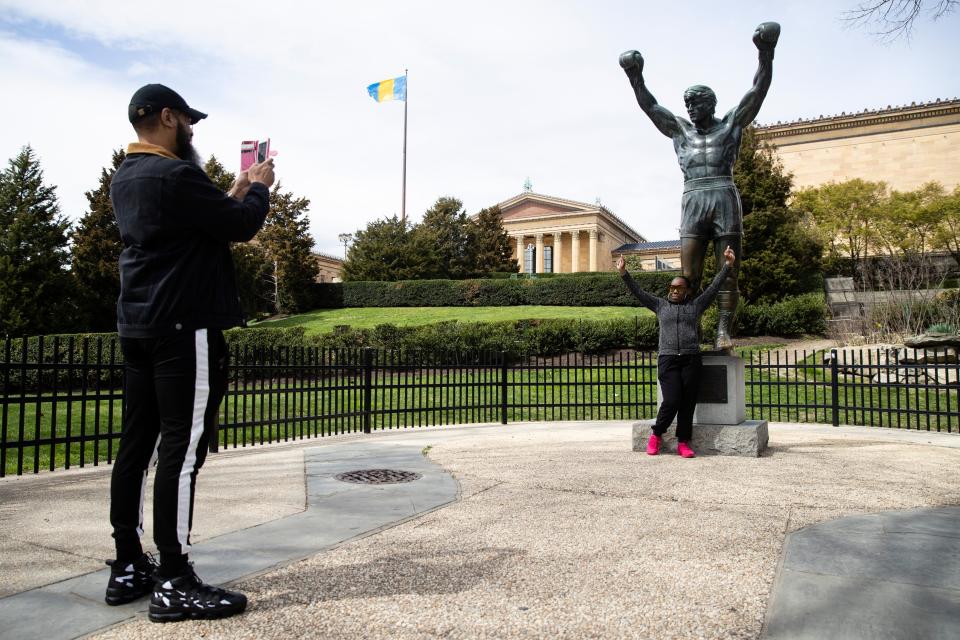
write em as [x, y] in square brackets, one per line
[766, 35]
[631, 61]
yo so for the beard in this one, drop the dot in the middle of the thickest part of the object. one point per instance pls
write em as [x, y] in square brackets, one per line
[185, 149]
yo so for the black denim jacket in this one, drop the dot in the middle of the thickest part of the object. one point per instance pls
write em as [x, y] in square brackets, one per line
[176, 270]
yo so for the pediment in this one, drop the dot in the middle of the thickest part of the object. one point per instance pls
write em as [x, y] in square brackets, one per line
[530, 205]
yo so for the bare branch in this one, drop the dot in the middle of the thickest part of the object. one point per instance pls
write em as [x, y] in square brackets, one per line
[891, 19]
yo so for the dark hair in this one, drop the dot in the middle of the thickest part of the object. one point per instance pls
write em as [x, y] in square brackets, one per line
[700, 92]
[147, 123]
[684, 278]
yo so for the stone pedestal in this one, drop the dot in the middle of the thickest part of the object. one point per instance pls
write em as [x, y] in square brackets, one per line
[720, 426]
[749, 438]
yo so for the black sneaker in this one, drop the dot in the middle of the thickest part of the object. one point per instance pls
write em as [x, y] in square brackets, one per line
[131, 581]
[187, 597]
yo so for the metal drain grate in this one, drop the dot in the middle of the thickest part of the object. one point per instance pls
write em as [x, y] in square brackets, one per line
[377, 476]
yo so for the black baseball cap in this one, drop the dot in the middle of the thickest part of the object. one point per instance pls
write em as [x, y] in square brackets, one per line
[152, 98]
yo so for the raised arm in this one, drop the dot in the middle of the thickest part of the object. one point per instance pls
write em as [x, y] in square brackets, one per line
[706, 298]
[650, 301]
[666, 122]
[765, 37]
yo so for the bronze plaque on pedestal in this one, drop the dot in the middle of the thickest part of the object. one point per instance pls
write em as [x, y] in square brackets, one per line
[713, 384]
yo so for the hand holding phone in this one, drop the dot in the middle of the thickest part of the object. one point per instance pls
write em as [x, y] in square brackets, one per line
[240, 186]
[262, 172]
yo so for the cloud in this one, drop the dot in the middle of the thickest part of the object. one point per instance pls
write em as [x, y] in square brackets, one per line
[59, 108]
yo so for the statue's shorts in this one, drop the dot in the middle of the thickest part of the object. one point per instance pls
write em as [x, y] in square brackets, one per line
[710, 208]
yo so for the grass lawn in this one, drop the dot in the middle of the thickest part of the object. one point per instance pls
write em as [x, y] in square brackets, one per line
[324, 320]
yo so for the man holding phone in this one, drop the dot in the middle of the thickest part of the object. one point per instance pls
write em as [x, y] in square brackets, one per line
[177, 294]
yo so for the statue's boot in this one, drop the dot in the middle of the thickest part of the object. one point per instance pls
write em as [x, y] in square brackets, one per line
[724, 341]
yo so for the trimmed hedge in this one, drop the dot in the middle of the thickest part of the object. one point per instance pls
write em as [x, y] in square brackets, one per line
[541, 337]
[586, 290]
[261, 337]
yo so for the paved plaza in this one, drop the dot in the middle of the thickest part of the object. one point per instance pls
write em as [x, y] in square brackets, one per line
[545, 530]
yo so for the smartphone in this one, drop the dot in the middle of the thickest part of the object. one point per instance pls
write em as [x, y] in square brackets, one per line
[249, 150]
[253, 152]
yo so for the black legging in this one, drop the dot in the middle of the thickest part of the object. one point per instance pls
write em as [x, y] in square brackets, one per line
[679, 382]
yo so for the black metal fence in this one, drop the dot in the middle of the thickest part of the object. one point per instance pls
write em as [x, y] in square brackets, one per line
[62, 401]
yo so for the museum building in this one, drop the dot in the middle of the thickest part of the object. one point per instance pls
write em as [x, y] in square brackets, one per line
[554, 235]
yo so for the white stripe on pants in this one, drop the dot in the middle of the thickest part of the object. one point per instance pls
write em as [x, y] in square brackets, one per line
[143, 484]
[201, 397]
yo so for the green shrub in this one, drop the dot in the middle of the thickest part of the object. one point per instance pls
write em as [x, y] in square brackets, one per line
[797, 316]
[263, 337]
[91, 349]
[793, 317]
[646, 335]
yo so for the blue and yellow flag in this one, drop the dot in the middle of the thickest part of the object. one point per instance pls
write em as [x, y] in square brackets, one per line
[395, 89]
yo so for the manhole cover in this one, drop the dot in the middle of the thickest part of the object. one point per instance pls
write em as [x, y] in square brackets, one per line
[378, 476]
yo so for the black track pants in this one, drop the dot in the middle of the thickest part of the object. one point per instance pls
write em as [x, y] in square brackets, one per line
[172, 389]
[679, 382]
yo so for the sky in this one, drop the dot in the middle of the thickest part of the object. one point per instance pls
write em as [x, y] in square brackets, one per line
[498, 92]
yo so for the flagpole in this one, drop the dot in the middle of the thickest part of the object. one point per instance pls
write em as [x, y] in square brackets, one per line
[403, 204]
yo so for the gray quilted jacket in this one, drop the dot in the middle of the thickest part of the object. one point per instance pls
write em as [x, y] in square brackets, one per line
[679, 323]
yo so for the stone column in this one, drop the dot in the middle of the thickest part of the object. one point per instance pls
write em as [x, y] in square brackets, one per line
[557, 251]
[593, 249]
[539, 268]
[520, 251]
[575, 251]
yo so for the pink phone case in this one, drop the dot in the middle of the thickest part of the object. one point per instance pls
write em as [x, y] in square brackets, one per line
[248, 153]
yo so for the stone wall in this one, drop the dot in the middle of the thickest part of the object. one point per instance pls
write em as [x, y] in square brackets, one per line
[902, 146]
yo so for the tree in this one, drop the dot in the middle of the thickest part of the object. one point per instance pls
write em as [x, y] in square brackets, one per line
[895, 18]
[218, 174]
[446, 227]
[759, 176]
[445, 244]
[288, 245]
[947, 234]
[387, 251]
[34, 283]
[846, 216]
[909, 220]
[782, 258]
[254, 275]
[95, 257]
[491, 245]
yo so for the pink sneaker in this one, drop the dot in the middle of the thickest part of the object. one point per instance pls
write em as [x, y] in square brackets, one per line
[684, 450]
[653, 445]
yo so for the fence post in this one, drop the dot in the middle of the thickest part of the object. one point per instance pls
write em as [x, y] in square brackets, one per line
[834, 388]
[503, 387]
[367, 386]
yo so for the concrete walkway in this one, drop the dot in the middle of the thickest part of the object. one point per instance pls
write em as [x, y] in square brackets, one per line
[335, 511]
[559, 531]
[879, 576]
